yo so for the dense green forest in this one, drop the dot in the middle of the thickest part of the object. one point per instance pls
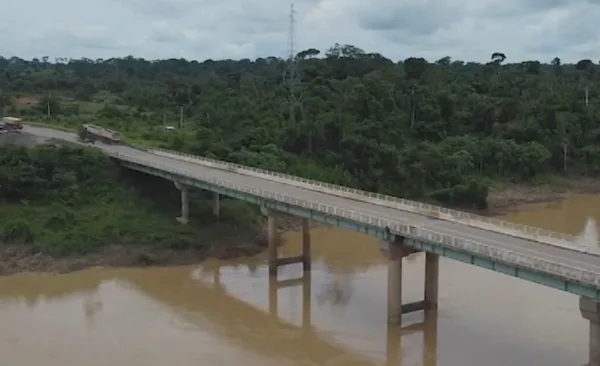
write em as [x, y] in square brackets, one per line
[68, 200]
[443, 130]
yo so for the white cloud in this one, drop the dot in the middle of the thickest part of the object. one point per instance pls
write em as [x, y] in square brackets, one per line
[201, 29]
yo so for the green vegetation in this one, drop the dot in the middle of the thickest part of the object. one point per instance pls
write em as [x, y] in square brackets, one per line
[68, 200]
[441, 131]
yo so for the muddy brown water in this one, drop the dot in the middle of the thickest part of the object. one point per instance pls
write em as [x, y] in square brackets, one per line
[229, 313]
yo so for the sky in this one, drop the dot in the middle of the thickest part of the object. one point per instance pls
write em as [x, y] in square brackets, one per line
[469, 30]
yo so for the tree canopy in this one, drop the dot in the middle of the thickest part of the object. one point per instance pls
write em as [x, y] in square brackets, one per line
[413, 128]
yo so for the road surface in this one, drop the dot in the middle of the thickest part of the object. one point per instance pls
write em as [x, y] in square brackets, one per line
[535, 249]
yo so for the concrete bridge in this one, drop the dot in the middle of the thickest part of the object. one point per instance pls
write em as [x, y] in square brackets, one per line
[548, 258]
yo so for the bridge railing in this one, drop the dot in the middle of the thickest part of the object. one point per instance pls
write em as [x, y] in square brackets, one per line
[424, 209]
[568, 272]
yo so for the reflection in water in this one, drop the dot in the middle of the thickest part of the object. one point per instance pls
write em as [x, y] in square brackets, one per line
[228, 313]
[91, 306]
[338, 290]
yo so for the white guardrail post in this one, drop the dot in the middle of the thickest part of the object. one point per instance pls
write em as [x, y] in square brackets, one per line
[481, 222]
[494, 253]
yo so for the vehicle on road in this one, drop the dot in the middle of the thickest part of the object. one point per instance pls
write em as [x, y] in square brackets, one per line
[11, 124]
[92, 133]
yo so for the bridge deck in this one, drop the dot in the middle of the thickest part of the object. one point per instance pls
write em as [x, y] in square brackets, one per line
[522, 246]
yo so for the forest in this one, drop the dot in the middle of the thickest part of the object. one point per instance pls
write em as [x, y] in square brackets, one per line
[442, 131]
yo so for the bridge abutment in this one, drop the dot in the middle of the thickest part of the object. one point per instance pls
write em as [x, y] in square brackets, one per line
[590, 310]
[396, 308]
[273, 244]
[185, 203]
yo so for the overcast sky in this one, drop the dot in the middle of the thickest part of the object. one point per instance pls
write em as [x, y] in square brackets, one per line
[216, 29]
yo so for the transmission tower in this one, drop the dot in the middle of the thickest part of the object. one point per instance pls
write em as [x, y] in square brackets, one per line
[291, 74]
[292, 34]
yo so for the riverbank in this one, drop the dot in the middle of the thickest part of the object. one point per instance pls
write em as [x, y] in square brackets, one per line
[506, 197]
[66, 208]
[18, 258]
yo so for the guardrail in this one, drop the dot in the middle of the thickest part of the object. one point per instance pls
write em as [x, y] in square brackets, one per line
[482, 222]
[502, 255]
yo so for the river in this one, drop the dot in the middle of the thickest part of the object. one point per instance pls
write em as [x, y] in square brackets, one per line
[228, 313]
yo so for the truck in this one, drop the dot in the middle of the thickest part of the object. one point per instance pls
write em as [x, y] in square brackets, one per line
[11, 124]
[92, 133]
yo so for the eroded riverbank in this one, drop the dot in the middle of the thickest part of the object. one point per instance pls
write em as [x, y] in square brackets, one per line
[17, 258]
[507, 197]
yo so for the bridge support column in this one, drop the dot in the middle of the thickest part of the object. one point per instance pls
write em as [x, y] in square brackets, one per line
[306, 256]
[273, 239]
[394, 290]
[432, 269]
[216, 204]
[185, 203]
[590, 310]
[394, 295]
[273, 243]
[396, 252]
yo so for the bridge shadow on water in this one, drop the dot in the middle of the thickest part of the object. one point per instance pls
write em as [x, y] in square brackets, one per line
[264, 330]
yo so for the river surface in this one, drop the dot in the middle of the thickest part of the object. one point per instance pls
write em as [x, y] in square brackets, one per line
[230, 313]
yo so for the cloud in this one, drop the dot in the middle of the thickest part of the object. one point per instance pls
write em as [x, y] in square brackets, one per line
[201, 29]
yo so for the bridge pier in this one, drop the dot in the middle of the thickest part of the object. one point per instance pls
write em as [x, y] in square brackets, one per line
[396, 308]
[185, 203]
[590, 310]
[432, 277]
[273, 239]
[216, 204]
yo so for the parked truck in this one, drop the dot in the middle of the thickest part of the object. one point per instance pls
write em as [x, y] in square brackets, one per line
[11, 124]
[92, 133]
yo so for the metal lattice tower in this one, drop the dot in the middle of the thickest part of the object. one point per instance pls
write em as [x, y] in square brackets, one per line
[291, 77]
[292, 35]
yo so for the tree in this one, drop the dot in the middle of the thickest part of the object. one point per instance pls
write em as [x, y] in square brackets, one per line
[441, 130]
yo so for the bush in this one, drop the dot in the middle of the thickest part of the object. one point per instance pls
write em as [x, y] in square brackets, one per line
[66, 200]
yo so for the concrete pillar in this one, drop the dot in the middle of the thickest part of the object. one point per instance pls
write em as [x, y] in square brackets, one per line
[395, 284]
[590, 310]
[184, 219]
[306, 256]
[272, 238]
[216, 204]
[432, 268]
